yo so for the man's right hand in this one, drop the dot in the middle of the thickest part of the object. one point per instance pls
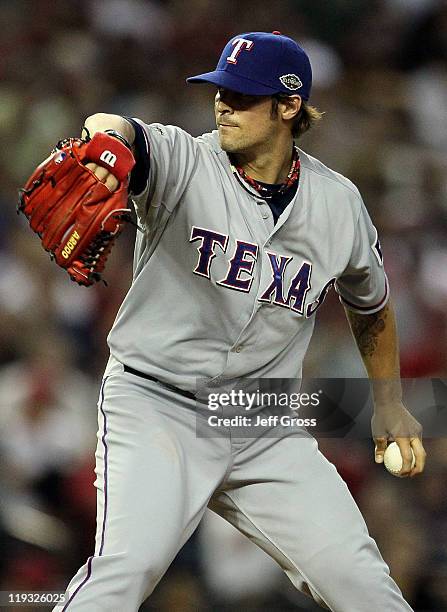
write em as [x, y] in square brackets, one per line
[99, 123]
[106, 177]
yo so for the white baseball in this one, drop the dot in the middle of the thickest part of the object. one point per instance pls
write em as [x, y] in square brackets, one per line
[392, 459]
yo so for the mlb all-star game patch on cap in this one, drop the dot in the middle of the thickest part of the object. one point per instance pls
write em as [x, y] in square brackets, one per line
[261, 64]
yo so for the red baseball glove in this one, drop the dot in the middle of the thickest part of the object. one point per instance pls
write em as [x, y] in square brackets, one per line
[72, 211]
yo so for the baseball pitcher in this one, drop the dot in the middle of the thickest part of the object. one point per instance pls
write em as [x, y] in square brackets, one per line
[241, 235]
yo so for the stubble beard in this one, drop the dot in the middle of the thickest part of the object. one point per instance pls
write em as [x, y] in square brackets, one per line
[228, 145]
[235, 145]
[241, 143]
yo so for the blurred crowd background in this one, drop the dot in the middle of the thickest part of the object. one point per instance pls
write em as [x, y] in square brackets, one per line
[380, 76]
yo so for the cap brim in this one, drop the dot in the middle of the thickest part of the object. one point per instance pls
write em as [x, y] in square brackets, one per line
[222, 78]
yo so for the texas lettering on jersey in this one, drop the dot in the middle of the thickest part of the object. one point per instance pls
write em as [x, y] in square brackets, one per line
[239, 276]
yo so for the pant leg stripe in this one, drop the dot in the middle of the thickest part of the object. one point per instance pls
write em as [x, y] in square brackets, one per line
[89, 573]
[106, 452]
[90, 559]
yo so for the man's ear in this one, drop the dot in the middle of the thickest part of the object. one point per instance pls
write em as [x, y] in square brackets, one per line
[291, 107]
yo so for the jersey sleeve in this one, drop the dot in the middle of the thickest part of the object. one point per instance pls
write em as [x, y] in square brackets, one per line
[166, 161]
[140, 172]
[363, 285]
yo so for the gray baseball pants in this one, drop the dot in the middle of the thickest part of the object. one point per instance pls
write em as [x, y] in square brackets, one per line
[155, 479]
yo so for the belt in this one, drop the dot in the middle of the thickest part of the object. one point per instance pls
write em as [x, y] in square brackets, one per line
[187, 394]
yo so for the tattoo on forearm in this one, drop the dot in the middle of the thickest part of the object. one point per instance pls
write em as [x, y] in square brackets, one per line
[366, 329]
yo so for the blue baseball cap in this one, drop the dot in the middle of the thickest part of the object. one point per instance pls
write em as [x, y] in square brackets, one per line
[261, 64]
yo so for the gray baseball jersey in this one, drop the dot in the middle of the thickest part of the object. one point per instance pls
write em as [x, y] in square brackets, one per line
[219, 291]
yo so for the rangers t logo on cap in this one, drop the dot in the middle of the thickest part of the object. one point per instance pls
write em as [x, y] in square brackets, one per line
[239, 44]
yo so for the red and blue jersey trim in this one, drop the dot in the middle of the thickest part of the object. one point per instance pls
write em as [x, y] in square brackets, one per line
[367, 309]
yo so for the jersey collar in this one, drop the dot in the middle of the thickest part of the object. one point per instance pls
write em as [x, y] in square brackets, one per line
[262, 189]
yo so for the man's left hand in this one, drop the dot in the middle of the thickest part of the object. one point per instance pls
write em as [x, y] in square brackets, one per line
[396, 423]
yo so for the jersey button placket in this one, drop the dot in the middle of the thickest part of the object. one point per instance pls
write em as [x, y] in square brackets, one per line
[264, 210]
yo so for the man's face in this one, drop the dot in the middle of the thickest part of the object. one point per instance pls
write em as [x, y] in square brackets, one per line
[244, 122]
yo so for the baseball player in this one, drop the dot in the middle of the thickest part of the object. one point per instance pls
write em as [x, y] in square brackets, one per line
[241, 235]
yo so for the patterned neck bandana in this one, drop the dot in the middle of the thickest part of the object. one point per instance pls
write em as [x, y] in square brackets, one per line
[269, 191]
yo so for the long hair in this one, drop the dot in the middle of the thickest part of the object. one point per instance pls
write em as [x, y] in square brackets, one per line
[307, 116]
